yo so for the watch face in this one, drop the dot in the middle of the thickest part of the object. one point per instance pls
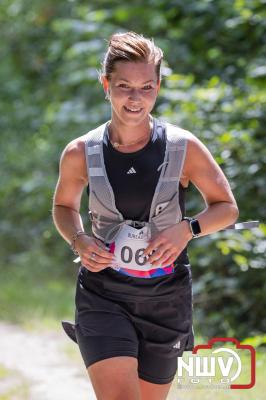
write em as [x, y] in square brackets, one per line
[195, 227]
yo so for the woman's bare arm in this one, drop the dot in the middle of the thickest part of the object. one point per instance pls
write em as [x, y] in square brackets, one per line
[204, 173]
[66, 206]
[221, 209]
[71, 182]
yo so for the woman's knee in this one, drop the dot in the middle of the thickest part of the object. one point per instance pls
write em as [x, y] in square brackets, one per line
[154, 391]
[115, 378]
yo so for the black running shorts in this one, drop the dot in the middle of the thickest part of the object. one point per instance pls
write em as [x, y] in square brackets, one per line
[155, 331]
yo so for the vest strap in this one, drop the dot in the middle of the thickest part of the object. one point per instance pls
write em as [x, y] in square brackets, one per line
[96, 172]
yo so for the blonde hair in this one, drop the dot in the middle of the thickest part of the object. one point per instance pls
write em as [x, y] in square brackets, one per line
[131, 46]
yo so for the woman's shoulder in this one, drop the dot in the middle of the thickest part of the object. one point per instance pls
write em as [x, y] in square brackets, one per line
[175, 132]
[195, 150]
[73, 157]
[77, 146]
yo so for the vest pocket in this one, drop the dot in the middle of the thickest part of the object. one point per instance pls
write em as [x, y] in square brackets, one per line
[169, 215]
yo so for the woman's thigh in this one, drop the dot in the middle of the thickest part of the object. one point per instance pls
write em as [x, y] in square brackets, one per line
[115, 378]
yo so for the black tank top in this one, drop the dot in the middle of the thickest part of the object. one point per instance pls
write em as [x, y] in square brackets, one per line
[134, 176]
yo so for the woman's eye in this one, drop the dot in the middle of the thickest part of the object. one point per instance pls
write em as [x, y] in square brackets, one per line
[123, 85]
[147, 87]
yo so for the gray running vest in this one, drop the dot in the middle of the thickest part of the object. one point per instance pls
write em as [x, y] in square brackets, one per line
[165, 210]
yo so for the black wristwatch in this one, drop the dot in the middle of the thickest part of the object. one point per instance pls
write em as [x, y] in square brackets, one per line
[194, 226]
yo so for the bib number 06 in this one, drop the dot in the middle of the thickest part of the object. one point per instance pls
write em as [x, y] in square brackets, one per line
[127, 255]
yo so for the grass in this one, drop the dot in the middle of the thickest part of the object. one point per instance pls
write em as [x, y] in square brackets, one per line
[35, 298]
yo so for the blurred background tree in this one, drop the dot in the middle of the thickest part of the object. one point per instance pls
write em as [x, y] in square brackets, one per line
[213, 84]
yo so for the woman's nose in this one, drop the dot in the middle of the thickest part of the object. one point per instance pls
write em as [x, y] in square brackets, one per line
[134, 94]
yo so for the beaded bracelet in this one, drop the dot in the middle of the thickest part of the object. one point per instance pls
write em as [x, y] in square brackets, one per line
[73, 241]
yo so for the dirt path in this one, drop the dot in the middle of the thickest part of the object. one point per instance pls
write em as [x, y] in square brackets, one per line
[41, 360]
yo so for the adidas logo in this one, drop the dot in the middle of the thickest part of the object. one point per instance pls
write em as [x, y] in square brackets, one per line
[177, 345]
[131, 171]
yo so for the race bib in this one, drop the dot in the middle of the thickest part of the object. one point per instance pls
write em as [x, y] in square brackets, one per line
[128, 249]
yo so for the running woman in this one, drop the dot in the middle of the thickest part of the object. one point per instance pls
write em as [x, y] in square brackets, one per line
[133, 297]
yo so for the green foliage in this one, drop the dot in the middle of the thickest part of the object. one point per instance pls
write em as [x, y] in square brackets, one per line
[213, 84]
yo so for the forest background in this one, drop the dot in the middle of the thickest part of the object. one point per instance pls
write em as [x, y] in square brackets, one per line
[213, 85]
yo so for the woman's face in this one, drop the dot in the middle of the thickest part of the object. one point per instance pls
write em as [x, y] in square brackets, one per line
[132, 90]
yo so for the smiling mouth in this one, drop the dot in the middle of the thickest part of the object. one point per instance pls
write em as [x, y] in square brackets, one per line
[133, 110]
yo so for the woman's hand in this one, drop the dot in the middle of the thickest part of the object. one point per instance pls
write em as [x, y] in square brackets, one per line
[93, 253]
[167, 246]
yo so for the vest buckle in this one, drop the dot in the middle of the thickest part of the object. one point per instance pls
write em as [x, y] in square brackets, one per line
[137, 224]
[90, 215]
